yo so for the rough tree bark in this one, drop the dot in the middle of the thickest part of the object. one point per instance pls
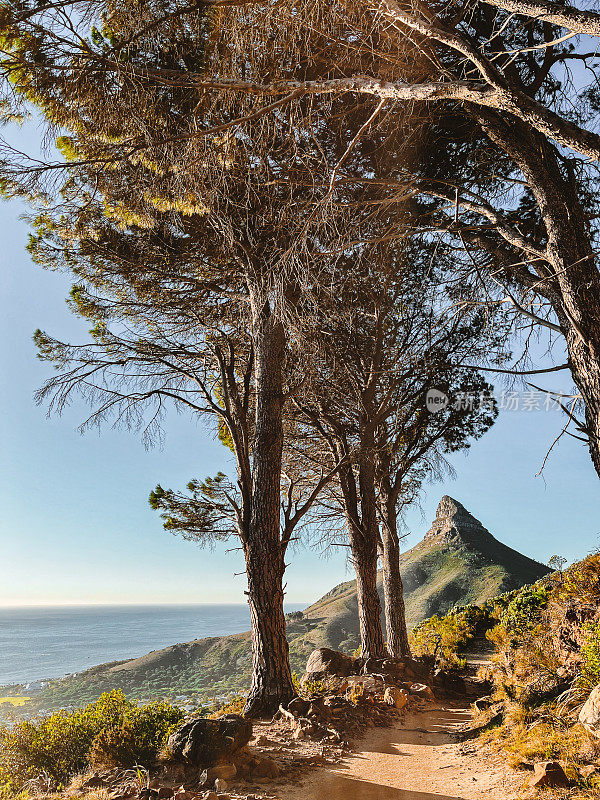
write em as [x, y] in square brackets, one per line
[363, 535]
[264, 548]
[393, 590]
[364, 555]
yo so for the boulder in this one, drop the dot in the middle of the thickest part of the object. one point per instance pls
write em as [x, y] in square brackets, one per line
[548, 773]
[324, 663]
[226, 772]
[422, 690]
[396, 697]
[267, 768]
[205, 741]
[298, 706]
[483, 703]
[368, 683]
[589, 716]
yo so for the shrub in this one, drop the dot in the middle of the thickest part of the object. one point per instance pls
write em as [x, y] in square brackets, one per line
[545, 741]
[581, 581]
[590, 655]
[113, 730]
[442, 638]
[234, 705]
[523, 612]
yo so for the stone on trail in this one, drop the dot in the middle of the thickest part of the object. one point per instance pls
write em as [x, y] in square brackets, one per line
[204, 741]
[422, 690]
[369, 683]
[548, 773]
[298, 707]
[226, 772]
[324, 663]
[267, 768]
[589, 716]
[396, 697]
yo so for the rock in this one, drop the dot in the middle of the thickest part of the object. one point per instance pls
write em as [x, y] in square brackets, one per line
[476, 687]
[267, 768]
[226, 772]
[422, 691]
[482, 703]
[324, 663]
[395, 697]
[183, 794]
[548, 773]
[210, 796]
[221, 785]
[204, 741]
[589, 716]
[368, 683]
[298, 707]
[164, 792]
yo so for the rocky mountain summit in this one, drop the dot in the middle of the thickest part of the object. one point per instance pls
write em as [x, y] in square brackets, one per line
[453, 523]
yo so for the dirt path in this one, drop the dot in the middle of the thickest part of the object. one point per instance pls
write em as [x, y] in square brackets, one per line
[419, 759]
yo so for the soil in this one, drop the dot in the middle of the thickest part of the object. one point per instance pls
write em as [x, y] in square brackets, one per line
[419, 758]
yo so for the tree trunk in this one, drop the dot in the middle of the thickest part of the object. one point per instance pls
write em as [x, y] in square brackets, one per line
[393, 591]
[264, 550]
[577, 301]
[573, 285]
[363, 533]
[364, 554]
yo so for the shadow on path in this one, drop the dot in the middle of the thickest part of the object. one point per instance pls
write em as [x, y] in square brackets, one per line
[341, 787]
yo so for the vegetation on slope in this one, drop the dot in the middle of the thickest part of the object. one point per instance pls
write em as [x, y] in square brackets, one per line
[113, 731]
[546, 664]
[546, 661]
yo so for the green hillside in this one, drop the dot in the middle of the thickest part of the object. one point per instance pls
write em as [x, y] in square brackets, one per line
[458, 562]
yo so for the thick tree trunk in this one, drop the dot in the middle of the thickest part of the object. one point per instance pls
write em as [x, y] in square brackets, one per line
[584, 358]
[264, 551]
[577, 301]
[393, 591]
[572, 285]
[363, 534]
[364, 555]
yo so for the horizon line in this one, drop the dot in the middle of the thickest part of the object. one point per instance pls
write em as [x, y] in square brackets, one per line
[133, 604]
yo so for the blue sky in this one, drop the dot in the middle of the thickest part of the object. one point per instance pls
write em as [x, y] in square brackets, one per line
[75, 525]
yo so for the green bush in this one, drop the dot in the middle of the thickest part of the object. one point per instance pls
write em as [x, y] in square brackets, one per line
[523, 612]
[443, 638]
[113, 731]
[590, 655]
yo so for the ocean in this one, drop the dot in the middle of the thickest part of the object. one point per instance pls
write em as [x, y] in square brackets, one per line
[49, 642]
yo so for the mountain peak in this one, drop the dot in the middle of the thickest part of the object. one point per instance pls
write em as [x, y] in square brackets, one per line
[453, 524]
